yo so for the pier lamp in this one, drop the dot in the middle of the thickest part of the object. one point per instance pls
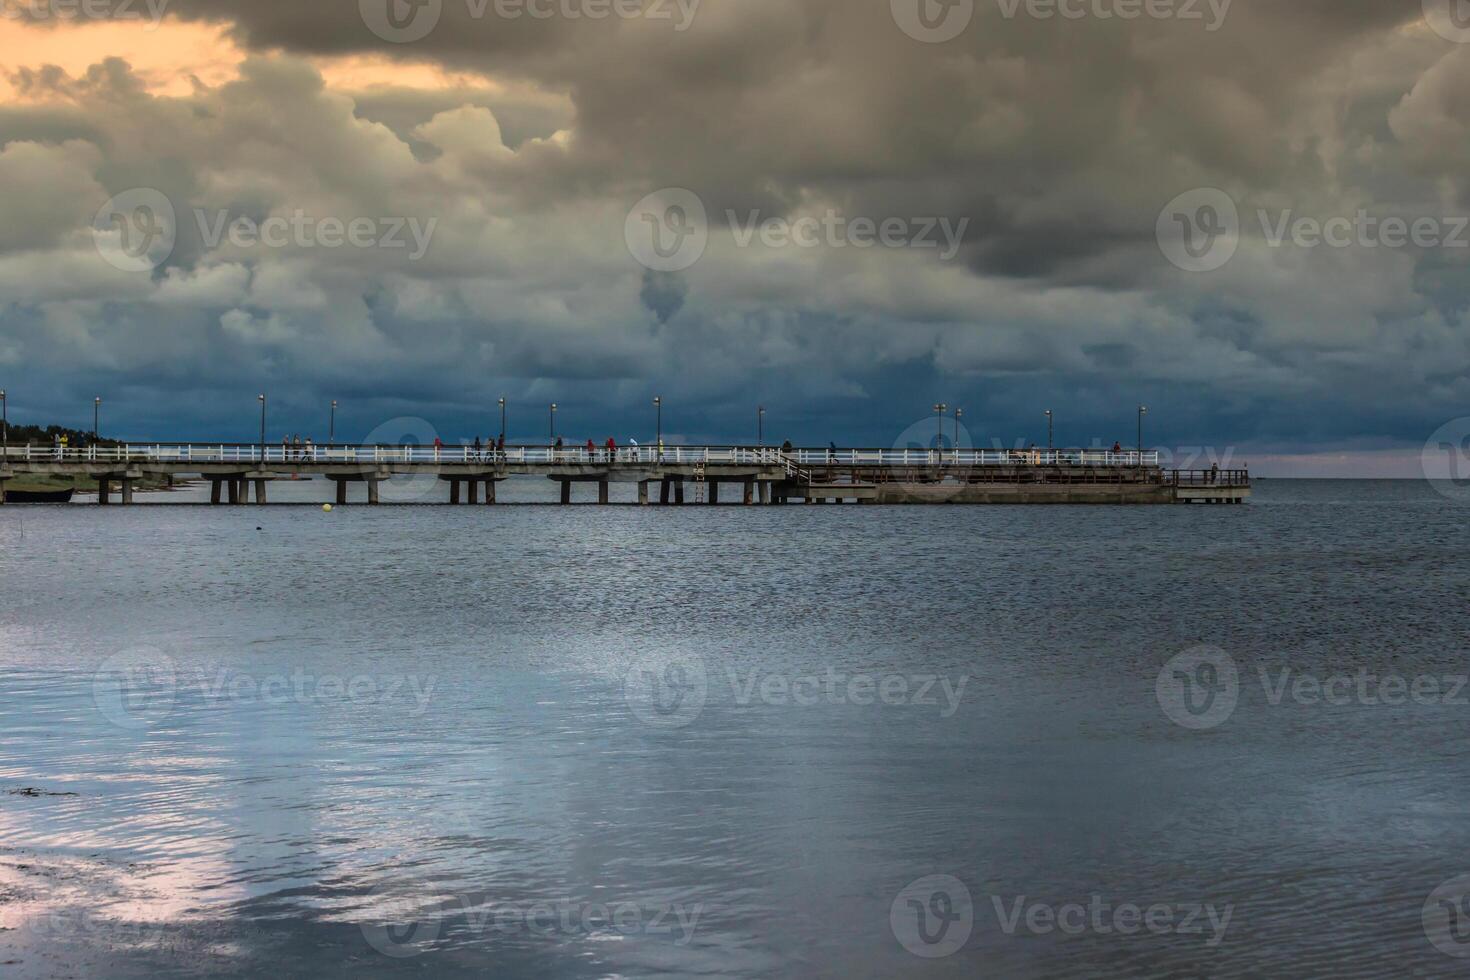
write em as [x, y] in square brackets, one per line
[332, 425]
[658, 404]
[502, 420]
[4, 423]
[939, 411]
[1142, 411]
[760, 426]
[1050, 430]
[959, 413]
[261, 399]
[553, 421]
[96, 411]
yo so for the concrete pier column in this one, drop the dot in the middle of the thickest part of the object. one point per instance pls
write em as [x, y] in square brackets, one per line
[104, 487]
[2, 491]
[489, 491]
[679, 492]
[454, 491]
[341, 492]
[602, 492]
[372, 492]
[566, 491]
[749, 492]
[643, 493]
[215, 489]
[714, 492]
[665, 489]
[765, 491]
[127, 490]
[232, 490]
[474, 491]
[260, 491]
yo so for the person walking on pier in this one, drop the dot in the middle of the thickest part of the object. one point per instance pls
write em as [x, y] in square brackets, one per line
[591, 450]
[478, 454]
[612, 450]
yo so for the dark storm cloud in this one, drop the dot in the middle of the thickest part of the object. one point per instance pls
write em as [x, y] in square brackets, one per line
[1058, 140]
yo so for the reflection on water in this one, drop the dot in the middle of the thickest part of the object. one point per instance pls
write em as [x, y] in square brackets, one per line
[733, 742]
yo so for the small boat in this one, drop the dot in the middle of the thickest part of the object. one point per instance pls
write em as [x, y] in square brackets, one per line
[38, 496]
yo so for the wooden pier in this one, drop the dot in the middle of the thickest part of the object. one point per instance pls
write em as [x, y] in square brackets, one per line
[671, 476]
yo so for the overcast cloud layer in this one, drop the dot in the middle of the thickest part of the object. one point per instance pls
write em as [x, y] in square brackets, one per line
[1032, 157]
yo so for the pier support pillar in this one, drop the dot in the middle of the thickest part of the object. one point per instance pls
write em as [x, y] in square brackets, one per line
[260, 491]
[679, 493]
[566, 491]
[341, 492]
[642, 494]
[765, 492]
[2, 491]
[104, 487]
[127, 490]
[215, 489]
[666, 487]
[749, 492]
[489, 491]
[714, 492]
[454, 491]
[232, 490]
[602, 492]
[474, 491]
[372, 492]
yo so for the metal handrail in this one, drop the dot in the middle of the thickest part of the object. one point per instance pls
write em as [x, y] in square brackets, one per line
[796, 462]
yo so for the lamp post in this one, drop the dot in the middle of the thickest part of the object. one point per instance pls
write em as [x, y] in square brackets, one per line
[760, 426]
[502, 420]
[939, 411]
[959, 413]
[1142, 411]
[553, 422]
[1050, 430]
[261, 399]
[658, 405]
[332, 425]
[96, 411]
[4, 424]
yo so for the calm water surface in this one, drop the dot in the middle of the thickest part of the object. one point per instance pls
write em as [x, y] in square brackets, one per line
[586, 742]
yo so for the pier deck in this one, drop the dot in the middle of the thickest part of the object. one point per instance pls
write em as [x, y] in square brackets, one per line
[758, 474]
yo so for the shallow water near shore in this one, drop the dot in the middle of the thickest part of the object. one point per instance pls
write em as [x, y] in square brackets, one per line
[580, 742]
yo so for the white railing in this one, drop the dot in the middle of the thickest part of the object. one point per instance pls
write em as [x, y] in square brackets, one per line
[794, 461]
[970, 457]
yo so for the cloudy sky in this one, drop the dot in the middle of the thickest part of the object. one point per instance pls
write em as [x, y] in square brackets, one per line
[1248, 215]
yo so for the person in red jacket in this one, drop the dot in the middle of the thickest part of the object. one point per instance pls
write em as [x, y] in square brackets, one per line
[612, 449]
[591, 450]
